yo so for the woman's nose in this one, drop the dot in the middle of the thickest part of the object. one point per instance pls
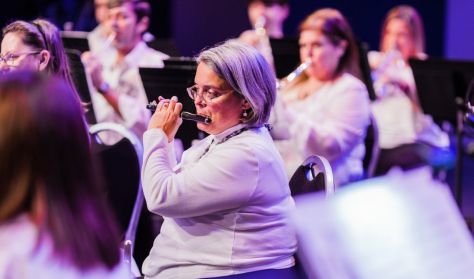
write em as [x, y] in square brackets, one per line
[4, 67]
[112, 22]
[199, 100]
[307, 54]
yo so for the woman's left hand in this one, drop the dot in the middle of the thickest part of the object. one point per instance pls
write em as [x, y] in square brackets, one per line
[167, 116]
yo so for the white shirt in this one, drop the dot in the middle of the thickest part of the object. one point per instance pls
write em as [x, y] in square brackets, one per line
[330, 122]
[393, 110]
[224, 213]
[22, 257]
[126, 82]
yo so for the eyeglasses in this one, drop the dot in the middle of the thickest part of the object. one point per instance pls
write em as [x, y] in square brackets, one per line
[11, 59]
[208, 94]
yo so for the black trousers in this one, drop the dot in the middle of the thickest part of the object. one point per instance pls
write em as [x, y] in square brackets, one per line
[287, 273]
[406, 156]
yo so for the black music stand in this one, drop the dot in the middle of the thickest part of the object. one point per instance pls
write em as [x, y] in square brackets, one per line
[439, 82]
[180, 62]
[80, 81]
[286, 55]
[168, 82]
[167, 46]
[440, 85]
[75, 40]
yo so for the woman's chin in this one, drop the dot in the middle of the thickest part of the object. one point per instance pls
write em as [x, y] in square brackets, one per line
[203, 127]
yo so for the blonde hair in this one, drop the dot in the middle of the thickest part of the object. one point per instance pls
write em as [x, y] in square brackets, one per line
[414, 22]
[332, 24]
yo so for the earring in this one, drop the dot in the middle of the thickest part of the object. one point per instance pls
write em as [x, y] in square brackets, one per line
[244, 115]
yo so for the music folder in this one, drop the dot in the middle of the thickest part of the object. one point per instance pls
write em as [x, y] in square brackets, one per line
[403, 225]
[168, 82]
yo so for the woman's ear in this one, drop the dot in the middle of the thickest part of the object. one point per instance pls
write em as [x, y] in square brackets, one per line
[44, 57]
[245, 104]
[143, 24]
[342, 47]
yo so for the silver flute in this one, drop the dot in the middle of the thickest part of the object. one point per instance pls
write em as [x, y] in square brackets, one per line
[184, 115]
[291, 77]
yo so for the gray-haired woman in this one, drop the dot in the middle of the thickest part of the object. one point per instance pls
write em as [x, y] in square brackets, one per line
[225, 204]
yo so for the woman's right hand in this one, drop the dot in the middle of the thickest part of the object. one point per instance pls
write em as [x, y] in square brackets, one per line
[167, 116]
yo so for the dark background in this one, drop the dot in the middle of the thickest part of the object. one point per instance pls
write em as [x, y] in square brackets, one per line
[195, 24]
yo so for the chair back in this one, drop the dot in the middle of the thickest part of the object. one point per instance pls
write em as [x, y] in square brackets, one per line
[121, 165]
[315, 174]
[372, 148]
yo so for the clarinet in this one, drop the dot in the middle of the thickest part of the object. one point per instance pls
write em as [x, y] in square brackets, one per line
[184, 115]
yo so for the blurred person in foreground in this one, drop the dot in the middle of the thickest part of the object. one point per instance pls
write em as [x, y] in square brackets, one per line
[225, 204]
[54, 222]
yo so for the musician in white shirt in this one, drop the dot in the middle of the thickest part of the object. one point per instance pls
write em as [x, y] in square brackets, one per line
[225, 204]
[326, 109]
[267, 18]
[119, 95]
[405, 132]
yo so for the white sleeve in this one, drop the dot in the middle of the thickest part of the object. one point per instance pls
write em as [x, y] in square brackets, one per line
[342, 128]
[222, 180]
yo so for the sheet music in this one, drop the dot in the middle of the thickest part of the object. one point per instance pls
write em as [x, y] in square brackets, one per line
[399, 226]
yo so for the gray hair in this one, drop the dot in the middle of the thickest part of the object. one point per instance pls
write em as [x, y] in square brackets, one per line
[247, 72]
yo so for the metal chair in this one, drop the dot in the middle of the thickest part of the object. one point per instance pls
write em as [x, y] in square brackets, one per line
[131, 230]
[315, 174]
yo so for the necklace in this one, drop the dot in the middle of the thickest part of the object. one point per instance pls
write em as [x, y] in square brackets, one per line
[226, 138]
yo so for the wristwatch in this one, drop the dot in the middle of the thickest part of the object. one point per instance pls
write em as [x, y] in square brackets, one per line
[103, 88]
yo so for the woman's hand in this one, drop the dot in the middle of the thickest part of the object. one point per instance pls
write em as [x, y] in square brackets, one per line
[167, 116]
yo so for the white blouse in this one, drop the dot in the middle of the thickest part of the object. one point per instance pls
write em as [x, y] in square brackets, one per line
[225, 209]
[331, 122]
[24, 256]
